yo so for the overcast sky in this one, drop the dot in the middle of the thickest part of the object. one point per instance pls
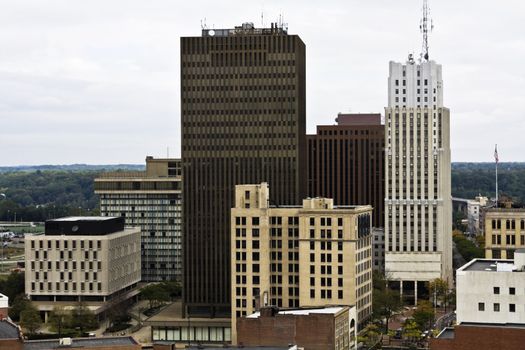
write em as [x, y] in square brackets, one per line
[98, 81]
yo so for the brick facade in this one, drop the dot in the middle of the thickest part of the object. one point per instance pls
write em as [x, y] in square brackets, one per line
[481, 338]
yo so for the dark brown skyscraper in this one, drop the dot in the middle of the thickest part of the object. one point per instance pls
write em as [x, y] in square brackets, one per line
[243, 121]
[346, 162]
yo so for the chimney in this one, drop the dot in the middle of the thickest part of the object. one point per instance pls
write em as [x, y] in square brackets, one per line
[269, 311]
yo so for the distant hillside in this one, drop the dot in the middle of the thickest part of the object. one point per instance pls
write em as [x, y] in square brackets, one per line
[36, 193]
[71, 167]
[471, 179]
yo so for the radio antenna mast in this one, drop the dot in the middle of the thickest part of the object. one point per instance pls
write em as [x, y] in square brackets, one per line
[426, 25]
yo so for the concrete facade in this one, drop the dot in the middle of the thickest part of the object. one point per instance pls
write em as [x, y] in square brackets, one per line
[418, 206]
[66, 266]
[504, 232]
[152, 200]
[491, 291]
[301, 256]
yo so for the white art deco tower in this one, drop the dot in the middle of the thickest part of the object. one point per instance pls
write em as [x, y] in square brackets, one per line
[418, 206]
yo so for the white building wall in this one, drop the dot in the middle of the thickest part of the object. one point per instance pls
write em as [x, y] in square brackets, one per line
[418, 203]
[474, 287]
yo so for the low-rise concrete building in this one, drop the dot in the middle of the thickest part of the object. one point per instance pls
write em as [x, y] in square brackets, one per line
[95, 260]
[491, 291]
[490, 306]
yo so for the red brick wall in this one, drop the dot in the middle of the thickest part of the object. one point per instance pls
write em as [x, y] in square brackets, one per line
[482, 338]
[11, 344]
[313, 332]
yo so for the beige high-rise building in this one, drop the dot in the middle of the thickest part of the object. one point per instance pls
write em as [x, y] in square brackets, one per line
[504, 232]
[312, 255]
[90, 259]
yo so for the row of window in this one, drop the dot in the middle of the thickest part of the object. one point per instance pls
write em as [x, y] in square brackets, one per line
[496, 307]
[509, 224]
[67, 244]
[66, 286]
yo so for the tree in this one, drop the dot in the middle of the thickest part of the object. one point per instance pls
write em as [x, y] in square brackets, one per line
[385, 301]
[59, 319]
[13, 285]
[83, 318]
[19, 304]
[424, 315]
[30, 318]
[438, 289]
[370, 335]
[411, 331]
[156, 294]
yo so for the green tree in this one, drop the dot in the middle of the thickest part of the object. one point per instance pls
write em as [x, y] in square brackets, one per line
[19, 304]
[30, 318]
[438, 289]
[424, 315]
[83, 318]
[13, 285]
[385, 301]
[60, 320]
[411, 332]
[156, 294]
[370, 335]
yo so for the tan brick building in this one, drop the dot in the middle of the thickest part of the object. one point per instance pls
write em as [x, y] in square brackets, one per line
[298, 256]
[504, 232]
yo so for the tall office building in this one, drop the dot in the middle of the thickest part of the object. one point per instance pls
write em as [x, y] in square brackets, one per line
[418, 203]
[346, 162]
[150, 199]
[243, 121]
[308, 255]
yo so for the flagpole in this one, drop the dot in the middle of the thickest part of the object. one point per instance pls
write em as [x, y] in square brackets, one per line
[496, 156]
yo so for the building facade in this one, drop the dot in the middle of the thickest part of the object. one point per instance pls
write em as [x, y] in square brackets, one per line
[299, 256]
[504, 232]
[346, 162]
[152, 200]
[316, 329]
[243, 121]
[491, 291]
[91, 259]
[418, 205]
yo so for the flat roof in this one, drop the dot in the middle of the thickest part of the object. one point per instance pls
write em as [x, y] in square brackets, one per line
[85, 218]
[489, 265]
[8, 330]
[79, 343]
[446, 333]
[301, 312]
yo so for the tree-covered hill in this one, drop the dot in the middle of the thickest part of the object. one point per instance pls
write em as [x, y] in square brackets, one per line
[471, 179]
[37, 194]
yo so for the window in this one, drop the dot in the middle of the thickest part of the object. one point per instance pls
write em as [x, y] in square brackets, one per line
[512, 307]
[496, 307]
[481, 306]
[512, 291]
[496, 290]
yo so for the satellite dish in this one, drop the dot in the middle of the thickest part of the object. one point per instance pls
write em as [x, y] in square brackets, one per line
[74, 228]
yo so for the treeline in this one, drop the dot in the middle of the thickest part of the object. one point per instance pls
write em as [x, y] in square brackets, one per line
[472, 179]
[39, 195]
[42, 195]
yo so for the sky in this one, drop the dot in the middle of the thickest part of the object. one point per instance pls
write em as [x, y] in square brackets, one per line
[98, 81]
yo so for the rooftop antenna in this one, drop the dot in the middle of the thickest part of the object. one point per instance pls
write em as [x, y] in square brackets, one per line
[426, 25]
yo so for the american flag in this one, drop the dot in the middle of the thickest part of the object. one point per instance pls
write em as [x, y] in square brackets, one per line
[496, 154]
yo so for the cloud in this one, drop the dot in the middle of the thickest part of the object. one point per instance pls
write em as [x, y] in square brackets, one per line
[98, 81]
